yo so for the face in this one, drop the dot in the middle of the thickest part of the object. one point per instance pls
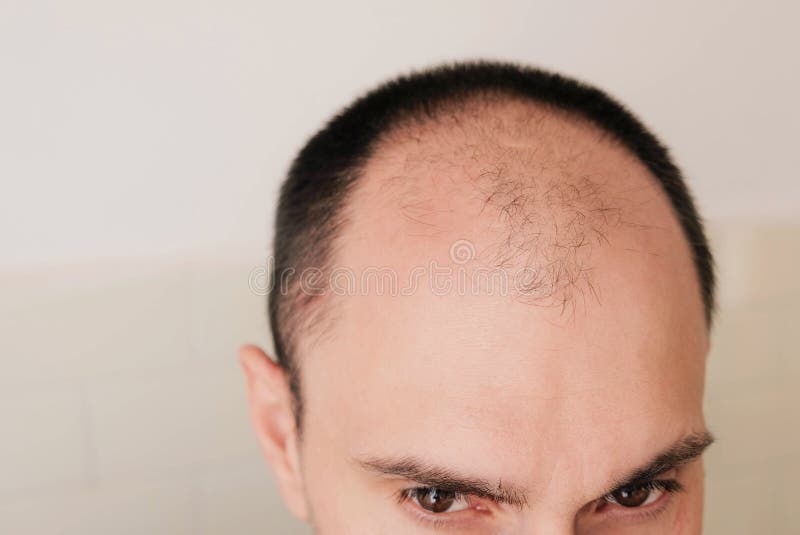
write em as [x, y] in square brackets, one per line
[577, 409]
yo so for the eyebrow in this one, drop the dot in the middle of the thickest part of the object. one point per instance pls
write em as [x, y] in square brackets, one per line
[446, 479]
[424, 474]
[680, 453]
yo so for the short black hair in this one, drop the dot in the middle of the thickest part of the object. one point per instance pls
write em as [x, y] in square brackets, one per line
[320, 177]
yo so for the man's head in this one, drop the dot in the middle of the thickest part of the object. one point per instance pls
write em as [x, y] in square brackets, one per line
[491, 310]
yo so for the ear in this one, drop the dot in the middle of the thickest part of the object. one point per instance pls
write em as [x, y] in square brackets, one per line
[272, 417]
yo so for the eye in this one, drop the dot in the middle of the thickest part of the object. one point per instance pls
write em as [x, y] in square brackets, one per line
[436, 500]
[639, 495]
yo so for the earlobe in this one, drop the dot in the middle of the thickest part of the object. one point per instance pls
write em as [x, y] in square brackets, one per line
[272, 417]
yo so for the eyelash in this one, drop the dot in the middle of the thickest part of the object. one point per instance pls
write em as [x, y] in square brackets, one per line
[436, 520]
[668, 486]
[409, 494]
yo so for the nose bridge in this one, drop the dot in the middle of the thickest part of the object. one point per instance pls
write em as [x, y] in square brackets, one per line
[542, 526]
[543, 523]
[558, 472]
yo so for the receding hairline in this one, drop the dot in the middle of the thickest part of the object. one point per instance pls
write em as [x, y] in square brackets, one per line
[323, 172]
[475, 121]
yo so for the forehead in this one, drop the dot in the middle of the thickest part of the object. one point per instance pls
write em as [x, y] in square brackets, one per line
[616, 354]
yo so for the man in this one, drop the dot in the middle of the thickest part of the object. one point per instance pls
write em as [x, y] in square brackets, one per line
[491, 311]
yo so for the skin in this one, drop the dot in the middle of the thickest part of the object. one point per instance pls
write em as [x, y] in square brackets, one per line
[547, 402]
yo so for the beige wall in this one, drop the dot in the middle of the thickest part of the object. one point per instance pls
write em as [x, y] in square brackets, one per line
[753, 397]
[141, 144]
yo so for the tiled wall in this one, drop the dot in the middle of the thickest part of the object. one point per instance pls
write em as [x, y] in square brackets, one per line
[122, 409]
[753, 395]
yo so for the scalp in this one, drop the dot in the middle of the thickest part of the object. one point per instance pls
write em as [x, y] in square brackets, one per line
[531, 187]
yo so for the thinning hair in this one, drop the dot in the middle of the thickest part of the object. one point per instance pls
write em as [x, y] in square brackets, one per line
[321, 177]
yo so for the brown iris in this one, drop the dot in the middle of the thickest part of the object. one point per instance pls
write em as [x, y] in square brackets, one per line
[631, 496]
[435, 500]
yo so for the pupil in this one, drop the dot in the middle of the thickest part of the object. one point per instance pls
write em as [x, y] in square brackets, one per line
[632, 496]
[435, 500]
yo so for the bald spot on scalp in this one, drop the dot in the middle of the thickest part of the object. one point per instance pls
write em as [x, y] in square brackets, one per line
[529, 187]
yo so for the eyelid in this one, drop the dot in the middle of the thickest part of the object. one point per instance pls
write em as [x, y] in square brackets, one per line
[456, 519]
[407, 494]
[670, 487]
